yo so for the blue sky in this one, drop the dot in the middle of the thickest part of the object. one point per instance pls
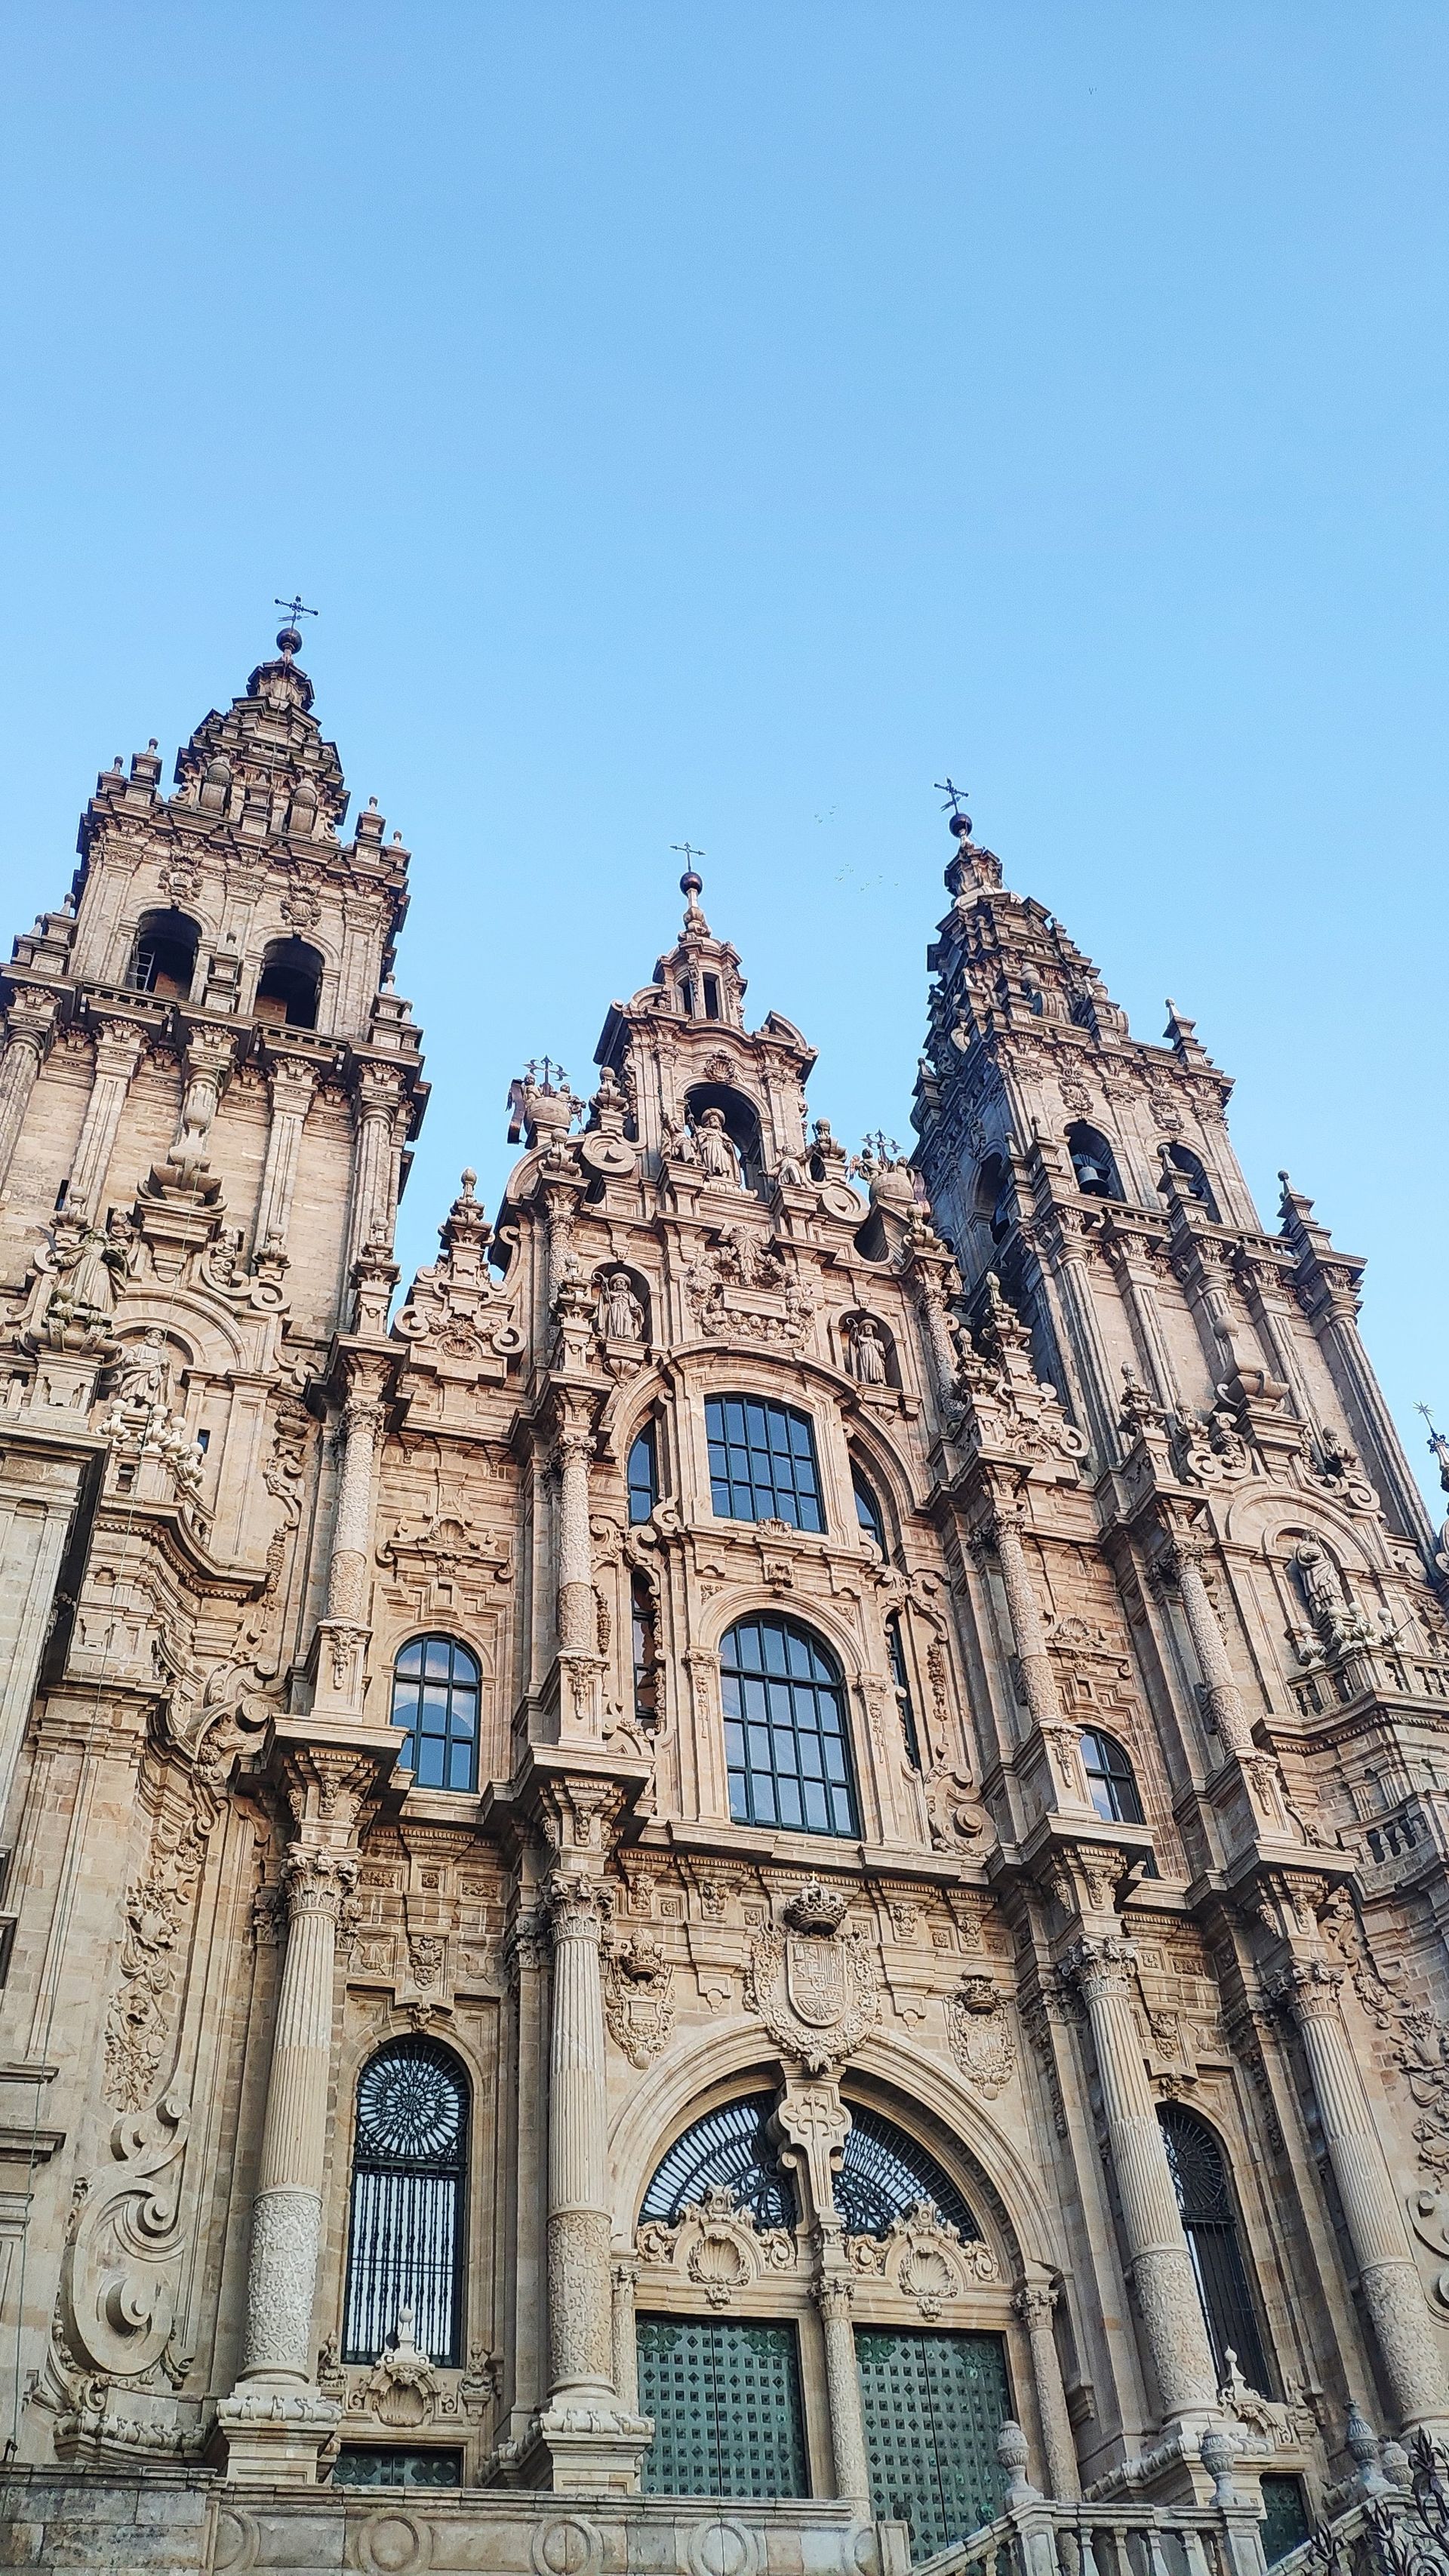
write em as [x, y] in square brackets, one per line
[718, 421]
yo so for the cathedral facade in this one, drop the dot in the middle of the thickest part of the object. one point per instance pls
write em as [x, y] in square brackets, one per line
[753, 1882]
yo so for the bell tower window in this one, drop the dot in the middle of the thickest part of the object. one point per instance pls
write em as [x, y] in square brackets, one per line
[289, 987]
[163, 961]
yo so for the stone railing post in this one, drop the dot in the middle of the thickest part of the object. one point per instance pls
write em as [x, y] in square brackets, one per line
[1388, 2274]
[835, 2298]
[1157, 2255]
[28, 1026]
[1034, 2303]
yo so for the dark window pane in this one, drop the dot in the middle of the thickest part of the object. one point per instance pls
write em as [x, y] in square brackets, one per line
[404, 2237]
[762, 1462]
[439, 1713]
[795, 1732]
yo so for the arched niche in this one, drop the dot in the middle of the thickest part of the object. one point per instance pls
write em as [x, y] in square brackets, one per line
[741, 1120]
[163, 955]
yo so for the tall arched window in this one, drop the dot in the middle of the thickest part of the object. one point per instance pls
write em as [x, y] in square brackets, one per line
[867, 1510]
[1194, 1172]
[728, 2150]
[1210, 2223]
[643, 1473]
[435, 1697]
[1094, 1165]
[785, 1737]
[163, 960]
[901, 1682]
[405, 2238]
[1110, 1779]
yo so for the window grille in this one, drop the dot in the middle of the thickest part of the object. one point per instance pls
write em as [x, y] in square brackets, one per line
[867, 1511]
[762, 1462]
[785, 1737]
[905, 1709]
[1111, 1781]
[1285, 2517]
[387, 2464]
[731, 2149]
[933, 2406]
[643, 1474]
[435, 1698]
[405, 2237]
[725, 2399]
[1210, 2223]
[884, 2173]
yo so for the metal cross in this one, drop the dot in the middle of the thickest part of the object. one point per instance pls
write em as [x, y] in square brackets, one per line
[947, 787]
[553, 1074]
[686, 850]
[884, 1148]
[294, 609]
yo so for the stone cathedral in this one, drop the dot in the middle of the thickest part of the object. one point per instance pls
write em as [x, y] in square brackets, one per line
[754, 1882]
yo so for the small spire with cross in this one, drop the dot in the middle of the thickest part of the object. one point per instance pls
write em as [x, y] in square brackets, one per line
[691, 884]
[954, 795]
[289, 641]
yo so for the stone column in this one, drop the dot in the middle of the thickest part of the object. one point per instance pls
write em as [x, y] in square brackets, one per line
[1034, 2303]
[624, 2278]
[28, 1025]
[577, 1611]
[292, 1080]
[1038, 1678]
[118, 1051]
[362, 1416]
[374, 1207]
[932, 1308]
[1157, 2255]
[835, 2298]
[1224, 1699]
[579, 2289]
[1388, 2274]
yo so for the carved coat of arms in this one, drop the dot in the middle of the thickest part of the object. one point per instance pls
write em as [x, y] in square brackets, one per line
[814, 1985]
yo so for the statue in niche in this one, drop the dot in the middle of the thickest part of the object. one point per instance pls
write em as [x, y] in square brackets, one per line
[867, 1352]
[679, 1144]
[791, 1175]
[618, 1316]
[718, 1158]
[91, 1270]
[142, 1382]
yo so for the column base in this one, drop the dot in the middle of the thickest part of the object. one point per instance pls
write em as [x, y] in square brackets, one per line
[268, 2435]
[594, 2448]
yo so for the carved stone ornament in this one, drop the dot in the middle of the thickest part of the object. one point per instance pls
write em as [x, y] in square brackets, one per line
[120, 2274]
[982, 2040]
[924, 2258]
[638, 2005]
[403, 2388]
[745, 1291]
[817, 1988]
[717, 2246]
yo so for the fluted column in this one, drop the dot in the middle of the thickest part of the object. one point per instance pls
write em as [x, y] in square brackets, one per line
[292, 1080]
[579, 2285]
[118, 1051]
[1034, 2303]
[835, 2298]
[577, 1613]
[362, 1417]
[287, 2210]
[1038, 1677]
[374, 1204]
[28, 1025]
[1161, 2267]
[1388, 2274]
[1224, 1699]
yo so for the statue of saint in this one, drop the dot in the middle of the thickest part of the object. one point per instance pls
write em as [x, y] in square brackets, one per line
[618, 1316]
[867, 1352]
[717, 1155]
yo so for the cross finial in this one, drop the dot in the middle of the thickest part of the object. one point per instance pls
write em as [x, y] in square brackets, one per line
[290, 638]
[686, 850]
[691, 883]
[954, 796]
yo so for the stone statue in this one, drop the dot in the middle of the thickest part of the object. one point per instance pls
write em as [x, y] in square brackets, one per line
[91, 1271]
[791, 1174]
[717, 1155]
[143, 1372]
[618, 1316]
[679, 1145]
[867, 1352]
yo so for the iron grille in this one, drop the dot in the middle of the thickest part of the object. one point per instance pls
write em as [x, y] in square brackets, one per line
[728, 2148]
[1210, 2224]
[387, 2464]
[762, 1462]
[785, 1740]
[407, 2202]
[933, 2406]
[884, 2173]
[725, 2399]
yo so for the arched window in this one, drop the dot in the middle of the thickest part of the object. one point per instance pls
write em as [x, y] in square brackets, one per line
[900, 1678]
[435, 1697]
[405, 2237]
[991, 1197]
[1111, 1780]
[163, 960]
[1093, 1162]
[1210, 2223]
[884, 2173]
[786, 1746]
[762, 1462]
[1194, 1172]
[643, 1474]
[289, 987]
[867, 1510]
[730, 2149]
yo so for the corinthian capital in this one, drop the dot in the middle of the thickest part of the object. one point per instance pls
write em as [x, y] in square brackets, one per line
[1101, 1967]
[1308, 1988]
[318, 1882]
[578, 1906]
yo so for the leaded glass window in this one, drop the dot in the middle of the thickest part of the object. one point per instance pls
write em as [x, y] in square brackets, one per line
[884, 2173]
[786, 1747]
[1210, 2223]
[643, 1477]
[725, 2398]
[933, 2406]
[728, 2149]
[405, 2237]
[1111, 1779]
[762, 1462]
[435, 1699]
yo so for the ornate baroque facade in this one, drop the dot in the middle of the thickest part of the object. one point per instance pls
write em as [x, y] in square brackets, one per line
[799, 1808]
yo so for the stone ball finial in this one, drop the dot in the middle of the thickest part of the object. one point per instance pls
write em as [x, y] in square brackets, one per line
[470, 1183]
[288, 642]
[691, 883]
